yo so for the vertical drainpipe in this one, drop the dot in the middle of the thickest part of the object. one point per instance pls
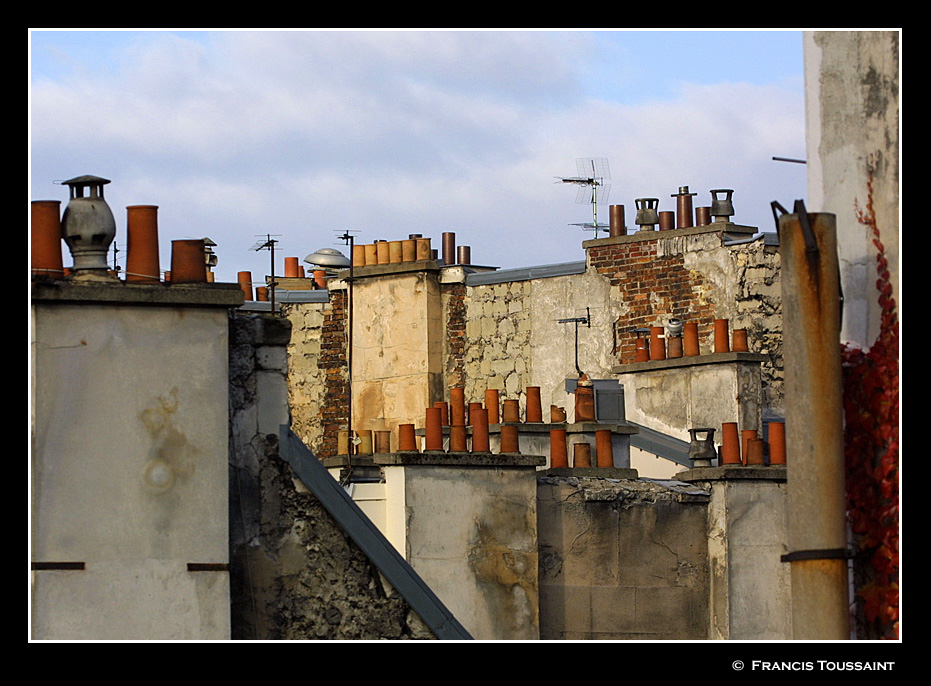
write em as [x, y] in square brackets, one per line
[814, 425]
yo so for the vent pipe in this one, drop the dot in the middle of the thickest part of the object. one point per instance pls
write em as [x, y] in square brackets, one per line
[142, 264]
[187, 261]
[684, 207]
[616, 226]
[88, 226]
[449, 248]
[46, 239]
[245, 283]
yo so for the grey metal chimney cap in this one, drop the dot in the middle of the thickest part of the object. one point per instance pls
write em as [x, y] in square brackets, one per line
[327, 257]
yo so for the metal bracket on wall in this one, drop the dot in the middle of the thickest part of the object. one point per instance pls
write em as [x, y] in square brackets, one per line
[827, 554]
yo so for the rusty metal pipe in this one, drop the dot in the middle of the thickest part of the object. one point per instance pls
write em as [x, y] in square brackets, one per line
[817, 537]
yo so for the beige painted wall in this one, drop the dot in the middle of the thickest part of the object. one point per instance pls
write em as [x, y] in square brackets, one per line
[397, 363]
[129, 473]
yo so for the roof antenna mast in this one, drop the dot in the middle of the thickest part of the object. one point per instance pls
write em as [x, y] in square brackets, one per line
[593, 172]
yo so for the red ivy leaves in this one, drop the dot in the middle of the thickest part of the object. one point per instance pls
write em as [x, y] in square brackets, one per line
[871, 446]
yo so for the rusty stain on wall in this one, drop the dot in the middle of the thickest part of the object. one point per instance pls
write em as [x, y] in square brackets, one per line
[504, 566]
[169, 458]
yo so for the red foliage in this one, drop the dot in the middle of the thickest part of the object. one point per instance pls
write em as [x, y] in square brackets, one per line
[871, 413]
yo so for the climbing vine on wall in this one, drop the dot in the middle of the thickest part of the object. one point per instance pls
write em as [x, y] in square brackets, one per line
[871, 411]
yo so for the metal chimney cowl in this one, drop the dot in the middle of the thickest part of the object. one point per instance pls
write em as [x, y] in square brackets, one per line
[87, 225]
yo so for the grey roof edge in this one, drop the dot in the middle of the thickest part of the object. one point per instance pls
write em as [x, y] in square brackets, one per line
[526, 273]
[284, 297]
[663, 445]
[372, 542]
[769, 238]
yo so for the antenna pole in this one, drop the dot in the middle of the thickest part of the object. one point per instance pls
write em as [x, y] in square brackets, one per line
[272, 282]
[348, 238]
[270, 244]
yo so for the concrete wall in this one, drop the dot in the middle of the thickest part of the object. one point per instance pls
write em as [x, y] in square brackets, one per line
[622, 560]
[129, 462]
[852, 128]
[749, 584]
[470, 531]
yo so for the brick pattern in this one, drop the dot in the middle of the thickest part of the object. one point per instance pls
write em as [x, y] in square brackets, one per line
[333, 363]
[654, 290]
[454, 297]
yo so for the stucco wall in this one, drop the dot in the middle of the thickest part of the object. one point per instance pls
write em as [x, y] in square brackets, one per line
[852, 130]
[622, 560]
[129, 465]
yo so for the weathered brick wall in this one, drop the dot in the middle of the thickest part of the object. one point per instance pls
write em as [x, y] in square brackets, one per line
[334, 364]
[698, 278]
[454, 305]
[318, 378]
[655, 287]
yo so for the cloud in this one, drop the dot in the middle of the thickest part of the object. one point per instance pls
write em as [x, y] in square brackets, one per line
[304, 135]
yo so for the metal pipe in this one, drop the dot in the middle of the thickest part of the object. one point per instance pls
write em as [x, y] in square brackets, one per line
[683, 207]
[817, 536]
[449, 248]
[464, 254]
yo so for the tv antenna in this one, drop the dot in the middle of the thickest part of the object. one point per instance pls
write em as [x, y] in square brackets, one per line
[269, 244]
[593, 172]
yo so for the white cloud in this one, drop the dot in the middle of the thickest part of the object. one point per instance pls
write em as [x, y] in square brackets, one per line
[303, 135]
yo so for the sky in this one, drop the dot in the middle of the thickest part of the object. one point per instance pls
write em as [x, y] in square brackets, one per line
[303, 135]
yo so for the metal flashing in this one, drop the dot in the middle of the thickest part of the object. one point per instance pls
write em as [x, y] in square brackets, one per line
[526, 273]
